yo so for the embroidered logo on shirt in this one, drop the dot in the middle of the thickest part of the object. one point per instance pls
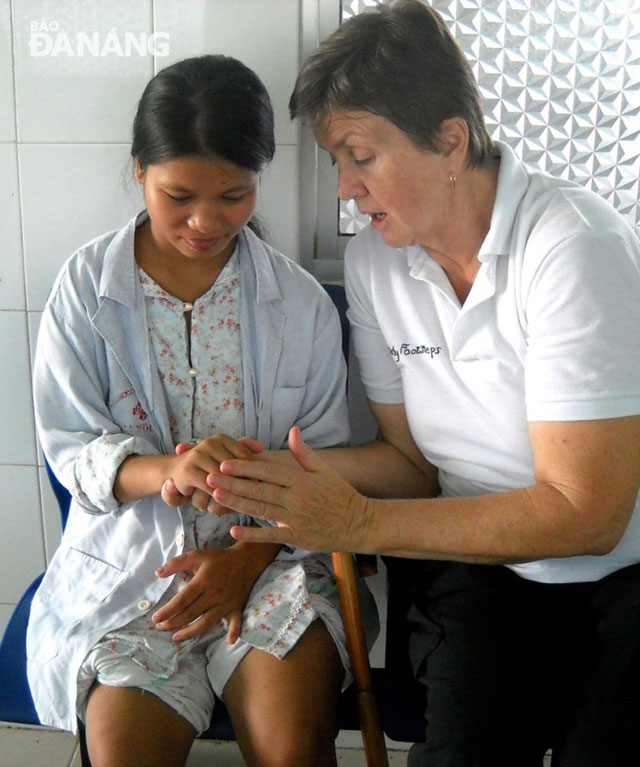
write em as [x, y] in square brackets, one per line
[139, 411]
[408, 349]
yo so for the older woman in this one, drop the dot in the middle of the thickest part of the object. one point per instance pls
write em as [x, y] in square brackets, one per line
[495, 314]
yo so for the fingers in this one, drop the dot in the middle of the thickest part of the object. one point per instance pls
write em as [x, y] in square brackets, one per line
[179, 611]
[234, 620]
[234, 447]
[303, 454]
[257, 499]
[280, 534]
[204, 502]
[186, 561]
[193, 629]
[195, 462]
[171, 495]
[215, 508]
[253, 444]
[274, 473]
[200, 500]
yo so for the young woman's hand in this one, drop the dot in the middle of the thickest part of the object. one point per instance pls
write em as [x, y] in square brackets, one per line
[188, 483]
[219, 589]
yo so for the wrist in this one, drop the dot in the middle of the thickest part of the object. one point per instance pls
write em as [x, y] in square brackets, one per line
[142, 475]
[361, 530]
[256, 556]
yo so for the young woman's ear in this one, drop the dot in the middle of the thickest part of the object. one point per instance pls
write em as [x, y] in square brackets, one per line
[138, 172]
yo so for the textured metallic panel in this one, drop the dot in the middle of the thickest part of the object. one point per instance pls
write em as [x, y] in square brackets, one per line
[560, 81]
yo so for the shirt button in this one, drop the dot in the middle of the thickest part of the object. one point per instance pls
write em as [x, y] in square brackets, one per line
[144, 604]
[193, 372]
[188, 307]
[180, 541]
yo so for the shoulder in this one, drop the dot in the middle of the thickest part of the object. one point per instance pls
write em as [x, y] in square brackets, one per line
[81, 276]
[556, 212]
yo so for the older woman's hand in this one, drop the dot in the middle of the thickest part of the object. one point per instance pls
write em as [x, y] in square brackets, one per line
[313, 506]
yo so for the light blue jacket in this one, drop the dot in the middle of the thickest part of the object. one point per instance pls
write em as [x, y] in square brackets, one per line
[94, 375]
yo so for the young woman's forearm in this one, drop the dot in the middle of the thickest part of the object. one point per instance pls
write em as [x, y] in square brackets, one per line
[142, 475]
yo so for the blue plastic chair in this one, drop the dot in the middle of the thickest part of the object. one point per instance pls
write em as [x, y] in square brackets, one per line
[16, 703]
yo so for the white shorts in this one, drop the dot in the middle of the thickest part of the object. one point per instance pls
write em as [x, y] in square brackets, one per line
[207, 667]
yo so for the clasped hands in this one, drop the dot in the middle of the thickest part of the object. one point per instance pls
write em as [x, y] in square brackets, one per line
[311, 505]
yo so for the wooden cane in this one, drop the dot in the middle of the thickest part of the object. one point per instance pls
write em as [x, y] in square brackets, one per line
[372, 735]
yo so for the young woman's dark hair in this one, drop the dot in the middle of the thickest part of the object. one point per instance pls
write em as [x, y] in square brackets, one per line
[206, 106]
[400, 63]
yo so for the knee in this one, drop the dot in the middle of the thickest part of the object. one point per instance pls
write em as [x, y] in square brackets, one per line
[313, 748]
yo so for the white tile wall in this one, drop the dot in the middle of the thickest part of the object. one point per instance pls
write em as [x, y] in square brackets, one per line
[70, 194]
[7, 111]
[266, 40]
[278, 194]
[21, 531]
[17, 445]
[66, 178]
[11, 263]
[63, 92]
[33, 323]
[5, 615]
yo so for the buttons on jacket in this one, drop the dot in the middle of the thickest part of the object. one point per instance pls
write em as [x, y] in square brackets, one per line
[180, 541]
[144, 604]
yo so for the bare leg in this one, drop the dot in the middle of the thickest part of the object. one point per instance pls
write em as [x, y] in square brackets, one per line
[284, 711]
[126, 726]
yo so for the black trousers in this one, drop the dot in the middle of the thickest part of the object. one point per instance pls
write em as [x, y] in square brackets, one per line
[513, 668]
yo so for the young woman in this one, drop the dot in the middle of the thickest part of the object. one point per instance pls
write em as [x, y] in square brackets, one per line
[182, 325]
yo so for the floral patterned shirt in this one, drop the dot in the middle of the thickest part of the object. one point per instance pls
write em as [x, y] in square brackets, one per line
[198, 353]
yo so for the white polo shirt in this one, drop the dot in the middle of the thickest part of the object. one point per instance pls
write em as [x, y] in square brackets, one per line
[549, 332]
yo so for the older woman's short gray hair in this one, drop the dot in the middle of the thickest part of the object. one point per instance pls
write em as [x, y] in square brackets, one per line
[401, 63]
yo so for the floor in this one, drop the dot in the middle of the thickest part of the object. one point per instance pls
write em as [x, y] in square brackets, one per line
[39, 747]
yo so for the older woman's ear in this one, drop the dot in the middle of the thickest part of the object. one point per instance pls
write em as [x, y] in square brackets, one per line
[453, 139]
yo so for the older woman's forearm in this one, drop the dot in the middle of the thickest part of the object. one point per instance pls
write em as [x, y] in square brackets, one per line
[379, 470]
[536, 522]
[376, 469]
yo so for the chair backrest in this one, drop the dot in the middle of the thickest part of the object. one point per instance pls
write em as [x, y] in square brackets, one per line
[339, 298]
[61, 493]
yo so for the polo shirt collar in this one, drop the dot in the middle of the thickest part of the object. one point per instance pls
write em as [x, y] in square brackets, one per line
[513, 181]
